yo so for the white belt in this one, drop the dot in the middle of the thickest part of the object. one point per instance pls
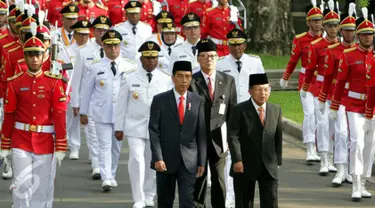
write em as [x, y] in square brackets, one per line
[357, 95]
[319, 78]
[303, 70]
[347, 85]
[218, 41]
[34, 128]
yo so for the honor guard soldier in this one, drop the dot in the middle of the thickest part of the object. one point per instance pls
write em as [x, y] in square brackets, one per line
[170, 40]
[3, 17]
[187, 51]
[81, 35]
[160, 19]
[147, 14]
[217, 22]
[178, 8]
[134, 32]
[9, 40]
[240, 66]
[101, 91]
[87, 54]
[132, 118]
[334, 52]
[300, 47]
[34, 126]
[352, 69]
[89, 10]
[54, 11]
[116, 10]
[69, 17]
[314, 78]
[199, 7]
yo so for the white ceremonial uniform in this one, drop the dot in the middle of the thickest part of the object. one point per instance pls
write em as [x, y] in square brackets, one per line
[184, 52]
[164, 57]
[250, 64]
[64, 35]
[85, 56]
[130, 42]
[101, 91]
[132, 117]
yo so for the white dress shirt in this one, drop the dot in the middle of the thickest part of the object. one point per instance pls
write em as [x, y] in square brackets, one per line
[177, 96]
[212, 77]
[256, 106]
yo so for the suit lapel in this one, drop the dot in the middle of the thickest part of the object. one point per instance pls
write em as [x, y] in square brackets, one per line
[219, 86]
[172, 102]
[202, 86]
[253, 112]
[268, 119]
[187, 107]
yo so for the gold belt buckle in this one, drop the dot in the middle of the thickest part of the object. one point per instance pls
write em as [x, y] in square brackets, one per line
[33, 128]
[225, 42]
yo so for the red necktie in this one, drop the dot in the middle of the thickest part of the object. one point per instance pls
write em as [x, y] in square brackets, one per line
[210, 90]
[261, 114]
[181, 109]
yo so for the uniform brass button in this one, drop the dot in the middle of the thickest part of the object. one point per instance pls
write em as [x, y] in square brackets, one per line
[34, 93]
[34, 118]
[34, 105]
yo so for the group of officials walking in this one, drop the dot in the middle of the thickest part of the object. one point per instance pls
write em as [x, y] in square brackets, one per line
[166, 78]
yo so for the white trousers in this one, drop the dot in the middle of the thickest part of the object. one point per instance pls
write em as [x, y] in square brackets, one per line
[109, 150]
[228, 179]
[308, 126]
[322, 131]
[32, 179]
[92, 142]
[361, 154]
[341, 137]
[142, 177]
[73, 130]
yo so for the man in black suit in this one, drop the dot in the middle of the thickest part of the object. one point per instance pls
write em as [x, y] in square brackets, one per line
[219, 92]
[255, 142]
[178, 139]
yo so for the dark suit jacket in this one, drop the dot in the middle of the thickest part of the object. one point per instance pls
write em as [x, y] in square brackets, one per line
[171, 141]
[225, 92]
[254, 144]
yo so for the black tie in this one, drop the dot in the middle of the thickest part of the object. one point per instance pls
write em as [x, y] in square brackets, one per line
[134, 30]
[69, 36]
[239, 65]
[113, 67]
[101, 53]
[149, 77]
[169, 51]
[194, 49]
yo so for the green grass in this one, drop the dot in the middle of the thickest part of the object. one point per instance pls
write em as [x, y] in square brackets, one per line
[274, 62]
[290, 104]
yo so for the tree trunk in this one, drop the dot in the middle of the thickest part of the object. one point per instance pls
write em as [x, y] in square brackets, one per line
[270, 27]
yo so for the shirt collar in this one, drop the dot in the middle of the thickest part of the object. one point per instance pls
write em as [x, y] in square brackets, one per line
[117, 60]
[144, 72]
[189, 44]
[235, 60]
[256, 106]
[212, 77]
[177, 96]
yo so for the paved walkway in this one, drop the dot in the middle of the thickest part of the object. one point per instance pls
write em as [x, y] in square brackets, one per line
[300, 185]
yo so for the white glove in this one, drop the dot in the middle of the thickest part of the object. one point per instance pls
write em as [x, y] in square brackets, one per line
[367, 126]
[233, 13]
[322, 107]
[59, 157]
[332, 114]
[4, 153]
[303, 93]
[283, 83]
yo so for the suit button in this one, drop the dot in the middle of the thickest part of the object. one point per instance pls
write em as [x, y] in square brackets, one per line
[182, 133]
[181, 145]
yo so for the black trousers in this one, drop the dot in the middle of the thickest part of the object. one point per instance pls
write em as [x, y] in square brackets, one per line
[166, 187]
[216, 165]
[244, 190]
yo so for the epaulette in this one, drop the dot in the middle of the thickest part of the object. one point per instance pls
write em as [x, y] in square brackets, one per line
[350, 50]
[192, 1]
[9, 44]
[14, 49]
[54, 76]
[129, 60]
[21, 60]
[3, 36]
[82, 46]
[15, 76]
[178, 45]
[301, 35]
[131, 71]
[253, 55]
[101, 6]
[317, 40]
[95, 61]
[333, 45]
[210, 9]
[164, 72]
[221, 58]
[118, 24]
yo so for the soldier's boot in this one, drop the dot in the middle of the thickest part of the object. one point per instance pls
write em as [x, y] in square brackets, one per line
[356, 188]
[324, 164]
[364, 192]
[340, 176]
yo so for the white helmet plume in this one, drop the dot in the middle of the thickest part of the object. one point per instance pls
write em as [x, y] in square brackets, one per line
[364, 12]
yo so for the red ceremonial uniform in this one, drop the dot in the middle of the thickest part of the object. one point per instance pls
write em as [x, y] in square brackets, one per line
[37, 100]
[352, 69]
[315, 69]
[370, 84]
[215, 25]
[300, 49]
[199, 7]
[91, 12]
[54, 7]
[10, 62]
[6, 41]
[178, 8]
[331, 65]
[147, 15]
[4, 31]
[116, 11]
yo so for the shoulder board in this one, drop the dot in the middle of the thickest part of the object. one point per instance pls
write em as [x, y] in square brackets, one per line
[128, 60]
[9, 44]
[15, 76]
[210, 9]
[317, 40]
[334, 45]
[3, 36]
[192, 1]
[301, 35]
[178, 45]
[54, 76]
[95, 61]
[21, 60]
[82, 46]
[253, 55]
[220, 58]
[101, 6]
[350, 50]
[131, 71]
[118, 24]
[14, 49]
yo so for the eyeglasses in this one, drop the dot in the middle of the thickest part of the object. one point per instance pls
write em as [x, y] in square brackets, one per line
[182, 77]
[206, 56]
